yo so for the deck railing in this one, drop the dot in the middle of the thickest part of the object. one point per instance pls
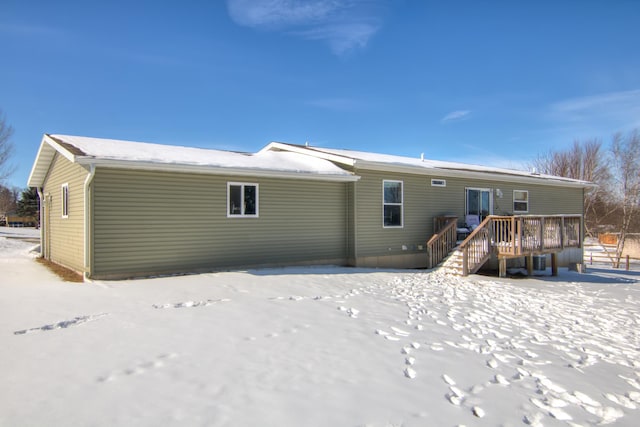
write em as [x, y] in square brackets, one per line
[476, 249]
[513, 236]
[527, 234]
[441, 243]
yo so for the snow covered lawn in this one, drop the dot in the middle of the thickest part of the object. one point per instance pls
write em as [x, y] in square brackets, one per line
[317, 347]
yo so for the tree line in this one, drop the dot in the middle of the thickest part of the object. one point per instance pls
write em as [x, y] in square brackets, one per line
[613, 205]
[23, 202]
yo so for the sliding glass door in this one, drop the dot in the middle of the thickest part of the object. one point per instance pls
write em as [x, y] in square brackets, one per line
[479, 202]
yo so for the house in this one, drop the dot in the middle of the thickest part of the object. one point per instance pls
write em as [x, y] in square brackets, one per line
[13, 219]
[110, 206]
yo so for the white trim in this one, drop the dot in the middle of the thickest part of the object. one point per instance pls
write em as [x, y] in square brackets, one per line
[487, 176]
[242, 186]
[401, 204]
[64, 200]
[514, 201]
[214, 170]
[88, 230]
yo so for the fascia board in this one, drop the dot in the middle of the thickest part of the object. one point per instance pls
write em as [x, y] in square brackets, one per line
[45, 155]
[212, 170]
[449, 173]
[60, 149]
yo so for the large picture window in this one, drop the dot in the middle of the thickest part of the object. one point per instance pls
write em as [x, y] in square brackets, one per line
[242, 199]
[520, 201]
[392, 203]
[65, 200]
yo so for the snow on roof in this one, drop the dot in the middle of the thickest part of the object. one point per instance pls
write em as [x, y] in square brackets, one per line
[435, 165]
[87, 150]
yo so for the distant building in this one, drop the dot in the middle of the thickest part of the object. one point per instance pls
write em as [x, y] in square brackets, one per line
[13, 219]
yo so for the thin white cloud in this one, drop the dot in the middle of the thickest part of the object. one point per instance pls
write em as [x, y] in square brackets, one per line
[620, 104]
[278, 13]
[456, 116]
[345, 25]
[343, 38]
[597, 115]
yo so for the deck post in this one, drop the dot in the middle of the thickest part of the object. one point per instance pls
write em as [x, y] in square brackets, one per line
[530, 264]
[554, 264]
[502, 267]
[515, 233]
[465, 261]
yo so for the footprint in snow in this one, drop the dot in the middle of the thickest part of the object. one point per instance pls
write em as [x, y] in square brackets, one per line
[63, 324]
[499, 379]
[607, 414]
[409, 373]
[400, 332]
[140, 368]
[447, 379]
[478, 412]
[586, 400]
[191, 304]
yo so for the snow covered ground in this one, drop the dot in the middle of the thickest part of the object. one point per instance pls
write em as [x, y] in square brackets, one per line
[316, 347]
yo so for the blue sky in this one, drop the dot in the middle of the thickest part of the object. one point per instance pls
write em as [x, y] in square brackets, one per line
[486, 82]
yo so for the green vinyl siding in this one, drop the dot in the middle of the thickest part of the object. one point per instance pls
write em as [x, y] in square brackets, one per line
[423, 202]
[64, 236]
[146, 222]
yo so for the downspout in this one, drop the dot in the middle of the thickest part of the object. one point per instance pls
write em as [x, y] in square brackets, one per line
[355, 223]
[41, 215]
[88, 268]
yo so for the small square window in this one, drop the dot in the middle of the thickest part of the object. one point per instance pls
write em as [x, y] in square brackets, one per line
[242, 200]
[520, 201]
[65, 200]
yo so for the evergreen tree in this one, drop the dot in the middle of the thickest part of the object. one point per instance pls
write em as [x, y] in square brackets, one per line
[28, 204]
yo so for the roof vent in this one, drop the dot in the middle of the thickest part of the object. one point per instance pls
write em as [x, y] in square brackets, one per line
[422, 156]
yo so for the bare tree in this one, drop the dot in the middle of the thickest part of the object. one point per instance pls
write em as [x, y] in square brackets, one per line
[6, 147]
[8, 199]
[625, 163]
[583, 161]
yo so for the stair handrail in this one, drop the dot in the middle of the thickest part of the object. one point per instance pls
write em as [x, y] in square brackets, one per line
[476, 248]
[441, 243]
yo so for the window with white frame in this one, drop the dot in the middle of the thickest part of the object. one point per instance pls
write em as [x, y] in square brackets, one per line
[392, 202]
[242, 199]
[65, 200]
[520, 201]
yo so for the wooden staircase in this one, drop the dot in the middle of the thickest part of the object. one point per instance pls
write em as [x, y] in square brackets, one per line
[452, 264]
[503, 237]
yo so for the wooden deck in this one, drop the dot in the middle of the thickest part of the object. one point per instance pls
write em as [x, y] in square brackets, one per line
[510, 237]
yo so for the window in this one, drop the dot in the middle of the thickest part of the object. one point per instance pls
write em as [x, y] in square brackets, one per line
[520, 201]
[438, 182]
[392, 203]
[65, 200]
[242, 200]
